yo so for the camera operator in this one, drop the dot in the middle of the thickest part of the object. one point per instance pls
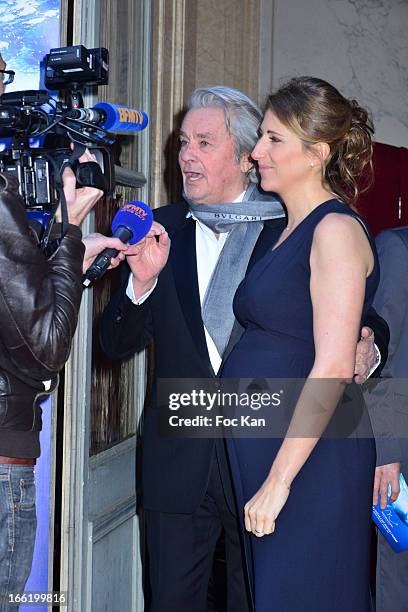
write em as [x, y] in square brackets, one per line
[39, 303]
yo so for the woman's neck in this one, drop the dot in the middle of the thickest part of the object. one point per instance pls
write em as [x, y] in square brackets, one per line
[299, 205]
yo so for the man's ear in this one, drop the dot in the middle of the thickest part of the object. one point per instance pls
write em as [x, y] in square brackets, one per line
[246, 163]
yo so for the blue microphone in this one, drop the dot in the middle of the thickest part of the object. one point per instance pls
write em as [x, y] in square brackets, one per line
[112, 117]
[130, 224]
[121, 118]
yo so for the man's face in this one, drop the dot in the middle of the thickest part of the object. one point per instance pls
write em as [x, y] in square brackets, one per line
[2, 67]
[211, 172]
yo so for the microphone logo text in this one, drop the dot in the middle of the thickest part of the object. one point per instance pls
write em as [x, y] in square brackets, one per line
[129, 115]
[135, 210]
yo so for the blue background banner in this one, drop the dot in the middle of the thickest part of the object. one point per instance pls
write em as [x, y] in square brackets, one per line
[29, 28]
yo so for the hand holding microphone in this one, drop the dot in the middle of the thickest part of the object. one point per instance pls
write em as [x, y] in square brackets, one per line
[145, 244]
[95, 243]
[131, 223]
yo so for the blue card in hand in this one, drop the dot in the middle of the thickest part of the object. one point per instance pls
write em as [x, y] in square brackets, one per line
[393, 520]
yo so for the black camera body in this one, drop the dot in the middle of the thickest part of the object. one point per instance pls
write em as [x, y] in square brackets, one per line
[25, 125]
[35, 172]
[76, 64]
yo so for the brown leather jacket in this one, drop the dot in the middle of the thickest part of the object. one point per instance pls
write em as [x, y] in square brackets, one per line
[39, 303]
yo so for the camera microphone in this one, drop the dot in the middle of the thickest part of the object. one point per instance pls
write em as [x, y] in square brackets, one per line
[130, 224]
[112, 117]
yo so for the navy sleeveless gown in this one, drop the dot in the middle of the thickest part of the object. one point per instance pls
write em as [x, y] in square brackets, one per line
[318, 558]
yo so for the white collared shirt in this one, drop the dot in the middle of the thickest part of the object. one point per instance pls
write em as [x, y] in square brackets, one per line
[208, 250]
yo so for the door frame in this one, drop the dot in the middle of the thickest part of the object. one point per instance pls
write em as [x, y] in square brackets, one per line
[79, 471]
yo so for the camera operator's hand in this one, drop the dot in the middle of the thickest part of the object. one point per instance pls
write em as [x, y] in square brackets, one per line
[96, 243]
[79, 201]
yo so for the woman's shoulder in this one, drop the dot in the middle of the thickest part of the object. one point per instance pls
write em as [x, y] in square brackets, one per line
[343, 233]
[340, 221]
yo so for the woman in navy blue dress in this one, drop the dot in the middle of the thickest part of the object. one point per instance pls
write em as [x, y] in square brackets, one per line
[307, 500]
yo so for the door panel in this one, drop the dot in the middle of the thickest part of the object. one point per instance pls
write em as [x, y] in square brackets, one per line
[100, 543]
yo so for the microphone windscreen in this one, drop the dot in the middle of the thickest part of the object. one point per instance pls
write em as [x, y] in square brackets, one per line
[137, 217]
[121, 118]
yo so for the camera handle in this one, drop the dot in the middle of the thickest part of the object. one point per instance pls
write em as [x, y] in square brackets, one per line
[75, 98]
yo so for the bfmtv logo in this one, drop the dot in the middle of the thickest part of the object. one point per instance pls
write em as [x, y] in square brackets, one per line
[136, 217]
[134, 209]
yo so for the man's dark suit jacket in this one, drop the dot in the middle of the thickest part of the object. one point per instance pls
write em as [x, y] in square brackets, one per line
[389, 399]
[175, 471]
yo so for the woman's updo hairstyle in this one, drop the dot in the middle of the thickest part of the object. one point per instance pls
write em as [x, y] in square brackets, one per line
[317, 112]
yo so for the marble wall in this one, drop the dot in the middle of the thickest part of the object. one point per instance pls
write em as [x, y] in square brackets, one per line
[227, 35]
[359, 45]
[195, 43]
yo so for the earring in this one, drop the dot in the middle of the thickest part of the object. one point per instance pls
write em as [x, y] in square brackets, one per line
[311, 164]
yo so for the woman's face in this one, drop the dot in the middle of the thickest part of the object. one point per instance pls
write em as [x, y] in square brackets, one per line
[283, 161]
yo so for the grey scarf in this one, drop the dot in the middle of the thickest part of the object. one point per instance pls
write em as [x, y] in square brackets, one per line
[244, 222]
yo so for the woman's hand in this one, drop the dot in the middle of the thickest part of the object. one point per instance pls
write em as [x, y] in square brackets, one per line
[263, 509]
[385, 475]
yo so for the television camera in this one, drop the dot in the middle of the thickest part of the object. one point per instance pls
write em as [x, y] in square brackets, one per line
[39, 129]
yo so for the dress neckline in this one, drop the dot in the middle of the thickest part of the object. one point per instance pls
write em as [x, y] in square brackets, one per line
[276, 248]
